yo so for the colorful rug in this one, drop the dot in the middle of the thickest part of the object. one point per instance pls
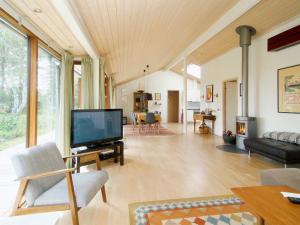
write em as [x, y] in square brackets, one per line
[129, 131]
[215, 210]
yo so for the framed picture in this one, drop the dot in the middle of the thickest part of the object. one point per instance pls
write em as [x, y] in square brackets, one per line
[209, 93]
[288, 84]
[157, 96]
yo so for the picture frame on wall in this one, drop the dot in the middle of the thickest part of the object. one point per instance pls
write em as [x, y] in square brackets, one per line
[288, 89]
[157, 96]
[209, 93]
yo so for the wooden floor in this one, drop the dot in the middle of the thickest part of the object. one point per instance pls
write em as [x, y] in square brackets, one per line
[168, 167]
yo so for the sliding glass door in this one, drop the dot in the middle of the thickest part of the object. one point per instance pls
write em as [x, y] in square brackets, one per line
[48, 96]
[13, 87]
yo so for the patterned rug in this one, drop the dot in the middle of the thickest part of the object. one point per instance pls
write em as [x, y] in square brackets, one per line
[215, 210]
[129, 131]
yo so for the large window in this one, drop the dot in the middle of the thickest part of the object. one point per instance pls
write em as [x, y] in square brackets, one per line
[77, 86]
[194, 70]
[13, 86]
[48, 96]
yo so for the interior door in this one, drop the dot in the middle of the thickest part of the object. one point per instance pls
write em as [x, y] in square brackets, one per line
[173, 106]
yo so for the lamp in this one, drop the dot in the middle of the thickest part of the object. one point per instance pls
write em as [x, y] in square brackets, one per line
[149, 96]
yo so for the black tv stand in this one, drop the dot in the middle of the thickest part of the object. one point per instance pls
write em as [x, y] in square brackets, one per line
[117, 152]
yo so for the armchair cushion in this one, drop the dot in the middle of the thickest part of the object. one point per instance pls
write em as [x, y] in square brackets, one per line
[282, 176]
[86, 186]
[38, 159]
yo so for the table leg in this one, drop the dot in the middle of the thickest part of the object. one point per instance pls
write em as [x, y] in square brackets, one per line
[194, 126]
[213, 127]
[116, 154]
[78, 165]
[121, 154]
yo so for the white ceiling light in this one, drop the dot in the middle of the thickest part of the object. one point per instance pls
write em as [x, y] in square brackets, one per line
[37, 10]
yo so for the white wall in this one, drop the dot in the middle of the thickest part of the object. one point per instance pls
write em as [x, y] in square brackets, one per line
[263, 67]
[158, 82]
[231, 105]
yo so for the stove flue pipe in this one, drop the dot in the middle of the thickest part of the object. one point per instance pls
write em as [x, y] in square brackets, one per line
[245, 33]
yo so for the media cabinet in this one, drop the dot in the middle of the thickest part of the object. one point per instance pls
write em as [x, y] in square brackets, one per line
[118, 152]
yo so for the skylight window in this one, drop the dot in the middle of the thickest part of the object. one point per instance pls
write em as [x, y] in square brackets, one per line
[194, 70]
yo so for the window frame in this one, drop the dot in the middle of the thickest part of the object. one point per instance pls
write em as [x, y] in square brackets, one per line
[32, 93]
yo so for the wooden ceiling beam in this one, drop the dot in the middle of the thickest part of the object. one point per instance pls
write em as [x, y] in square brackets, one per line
[231, 15]
[70, 14]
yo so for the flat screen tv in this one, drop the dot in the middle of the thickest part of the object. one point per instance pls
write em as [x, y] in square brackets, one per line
[96, 126]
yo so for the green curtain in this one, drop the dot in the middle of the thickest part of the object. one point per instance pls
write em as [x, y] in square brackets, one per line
[87, 83]
[102, 83]
[65, 104]
[114, 104]
[111, 103]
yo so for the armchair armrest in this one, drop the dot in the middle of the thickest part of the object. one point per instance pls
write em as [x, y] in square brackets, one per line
[46, 174]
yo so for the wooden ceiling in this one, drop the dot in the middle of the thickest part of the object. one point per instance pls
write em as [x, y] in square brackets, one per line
[132, 34]
[49, 22]
[266, 15]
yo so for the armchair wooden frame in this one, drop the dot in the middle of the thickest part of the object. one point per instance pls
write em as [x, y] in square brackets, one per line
[19, 209]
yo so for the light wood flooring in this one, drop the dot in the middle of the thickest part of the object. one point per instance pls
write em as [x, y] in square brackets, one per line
[168, 167]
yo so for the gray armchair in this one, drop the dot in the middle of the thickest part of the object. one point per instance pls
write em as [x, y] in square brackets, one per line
[282, 176]
[48, 185]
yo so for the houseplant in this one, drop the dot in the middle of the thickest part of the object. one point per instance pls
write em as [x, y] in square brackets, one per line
[229, 137]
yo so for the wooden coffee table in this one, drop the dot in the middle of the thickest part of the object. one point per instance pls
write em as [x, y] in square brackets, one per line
[268, 203]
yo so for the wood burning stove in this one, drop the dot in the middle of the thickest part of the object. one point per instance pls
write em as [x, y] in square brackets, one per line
[245, 125]
[245, 128]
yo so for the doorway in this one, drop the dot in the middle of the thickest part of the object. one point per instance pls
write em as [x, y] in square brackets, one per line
[230, 104]
[173, 106]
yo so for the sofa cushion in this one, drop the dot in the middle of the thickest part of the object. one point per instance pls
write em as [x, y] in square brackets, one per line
[279, 149]
[289, 177]
[271, 135]
[38, 159]
[86, 186]
[290, 137]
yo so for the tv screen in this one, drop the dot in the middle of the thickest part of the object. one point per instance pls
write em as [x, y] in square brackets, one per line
[92, 127]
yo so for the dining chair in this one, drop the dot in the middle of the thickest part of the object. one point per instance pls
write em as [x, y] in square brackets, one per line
[150, 120]
[133, 120]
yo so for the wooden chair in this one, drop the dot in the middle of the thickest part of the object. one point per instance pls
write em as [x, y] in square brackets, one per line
[151, 121]
[46, 184]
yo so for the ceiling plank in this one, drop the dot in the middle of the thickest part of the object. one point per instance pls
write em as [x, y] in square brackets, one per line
[231, 15]
[133, 34]
[264, 17]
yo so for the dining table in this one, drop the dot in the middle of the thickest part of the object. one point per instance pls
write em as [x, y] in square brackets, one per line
[141, 117]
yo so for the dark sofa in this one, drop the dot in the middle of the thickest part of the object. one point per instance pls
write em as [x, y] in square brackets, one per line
[282, 151]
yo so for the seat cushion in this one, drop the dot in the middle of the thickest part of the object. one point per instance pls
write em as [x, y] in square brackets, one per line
[86, 186]
[289, 177]
[39, 159]
[278, 149]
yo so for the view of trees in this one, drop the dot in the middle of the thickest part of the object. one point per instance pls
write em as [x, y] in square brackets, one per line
[14, 88]
[48, 95]
[77, 78]
[13, 85]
